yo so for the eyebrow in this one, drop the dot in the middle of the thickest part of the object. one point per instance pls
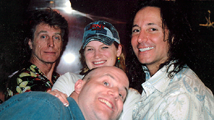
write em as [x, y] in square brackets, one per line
[146, 24]
[47, 32]
[151, 24]
[135, 25]
[41, 32]
[99, 45]
[115, 80]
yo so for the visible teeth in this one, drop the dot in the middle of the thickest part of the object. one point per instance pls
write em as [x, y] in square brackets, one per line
[106, 102]
[99, 62]
[145, 49]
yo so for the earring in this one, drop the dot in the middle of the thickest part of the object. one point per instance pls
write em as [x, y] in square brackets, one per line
[118, 59]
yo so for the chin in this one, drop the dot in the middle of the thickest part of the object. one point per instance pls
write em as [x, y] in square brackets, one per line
[50, 61]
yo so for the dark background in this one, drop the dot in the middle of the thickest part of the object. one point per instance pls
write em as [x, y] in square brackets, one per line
[13, 14]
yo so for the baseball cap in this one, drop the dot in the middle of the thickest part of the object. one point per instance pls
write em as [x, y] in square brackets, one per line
[101, 31]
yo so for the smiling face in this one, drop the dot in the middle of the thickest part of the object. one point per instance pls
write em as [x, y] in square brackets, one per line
[148, 40]
[46, 45]
[102, 96]
[98, 54]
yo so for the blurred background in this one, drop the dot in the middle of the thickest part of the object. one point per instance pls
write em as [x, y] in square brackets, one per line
[79, 13]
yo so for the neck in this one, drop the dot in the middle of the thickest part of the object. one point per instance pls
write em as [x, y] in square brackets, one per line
[152, 69]
[74, 95]
[46, 68]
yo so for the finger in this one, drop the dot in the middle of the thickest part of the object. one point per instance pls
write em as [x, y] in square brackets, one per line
[62, 97]
[48, 90]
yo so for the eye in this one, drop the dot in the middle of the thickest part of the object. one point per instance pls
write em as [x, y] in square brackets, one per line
[43, 36]
[121, 95]
[57, 38]
[152, 29]
[106, 83]
[106, 47]
[89, 49]
[135, 30]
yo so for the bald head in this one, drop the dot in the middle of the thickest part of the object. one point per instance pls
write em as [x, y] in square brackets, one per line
[102, 92]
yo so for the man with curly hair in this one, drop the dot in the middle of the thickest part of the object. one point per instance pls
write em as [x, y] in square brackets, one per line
[46, 38]
[162, 48]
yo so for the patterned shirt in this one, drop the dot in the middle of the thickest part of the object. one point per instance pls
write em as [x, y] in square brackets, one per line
[29, 79]
[184, 97]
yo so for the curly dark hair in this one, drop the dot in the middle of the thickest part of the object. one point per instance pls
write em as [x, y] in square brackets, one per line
[181, 42]
[47, 16]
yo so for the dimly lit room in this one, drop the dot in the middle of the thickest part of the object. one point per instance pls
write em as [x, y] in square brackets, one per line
[120, 13]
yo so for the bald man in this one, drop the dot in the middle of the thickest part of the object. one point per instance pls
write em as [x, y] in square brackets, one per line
[100, 95]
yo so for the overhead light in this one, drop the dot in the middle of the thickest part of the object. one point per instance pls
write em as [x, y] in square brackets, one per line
[51, 2]
[67, 7]
[69, 58]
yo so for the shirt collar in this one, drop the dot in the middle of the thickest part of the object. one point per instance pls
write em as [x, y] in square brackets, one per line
[159, 81]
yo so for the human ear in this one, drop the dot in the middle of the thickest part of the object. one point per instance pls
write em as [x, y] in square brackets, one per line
[119, 50]
[30, 44]
[79, 85]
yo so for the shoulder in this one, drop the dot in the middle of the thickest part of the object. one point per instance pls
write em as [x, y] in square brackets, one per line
[188, 92]
[30, 70]
[33, 99]
[70, 75]
[187, 83]
[40, 103]
[191, 82]
[66, 82]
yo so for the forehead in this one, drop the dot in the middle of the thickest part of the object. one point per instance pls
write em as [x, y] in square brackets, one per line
[95, 42]
[113, 73]
[148, 14]
[47, 28]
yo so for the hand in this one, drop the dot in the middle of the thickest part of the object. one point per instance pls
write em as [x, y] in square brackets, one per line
[62, 97]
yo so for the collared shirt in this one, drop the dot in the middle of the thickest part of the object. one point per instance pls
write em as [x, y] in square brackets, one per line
[184, 97]
[39, 106]
[28, 79]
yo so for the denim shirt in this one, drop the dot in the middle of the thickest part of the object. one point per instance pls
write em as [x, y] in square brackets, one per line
[39, 106]
[183, 97]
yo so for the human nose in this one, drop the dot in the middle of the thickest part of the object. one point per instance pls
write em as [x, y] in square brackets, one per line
[114, 92]
[142, 37]
[97, 54]
[50, 42]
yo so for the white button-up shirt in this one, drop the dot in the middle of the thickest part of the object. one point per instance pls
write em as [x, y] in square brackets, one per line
[184, 97]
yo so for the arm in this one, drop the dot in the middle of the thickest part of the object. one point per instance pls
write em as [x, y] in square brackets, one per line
[65, 83]
[64, 86]
[33, 106]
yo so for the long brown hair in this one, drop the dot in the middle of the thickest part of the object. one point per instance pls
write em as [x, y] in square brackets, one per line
[119, 64]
